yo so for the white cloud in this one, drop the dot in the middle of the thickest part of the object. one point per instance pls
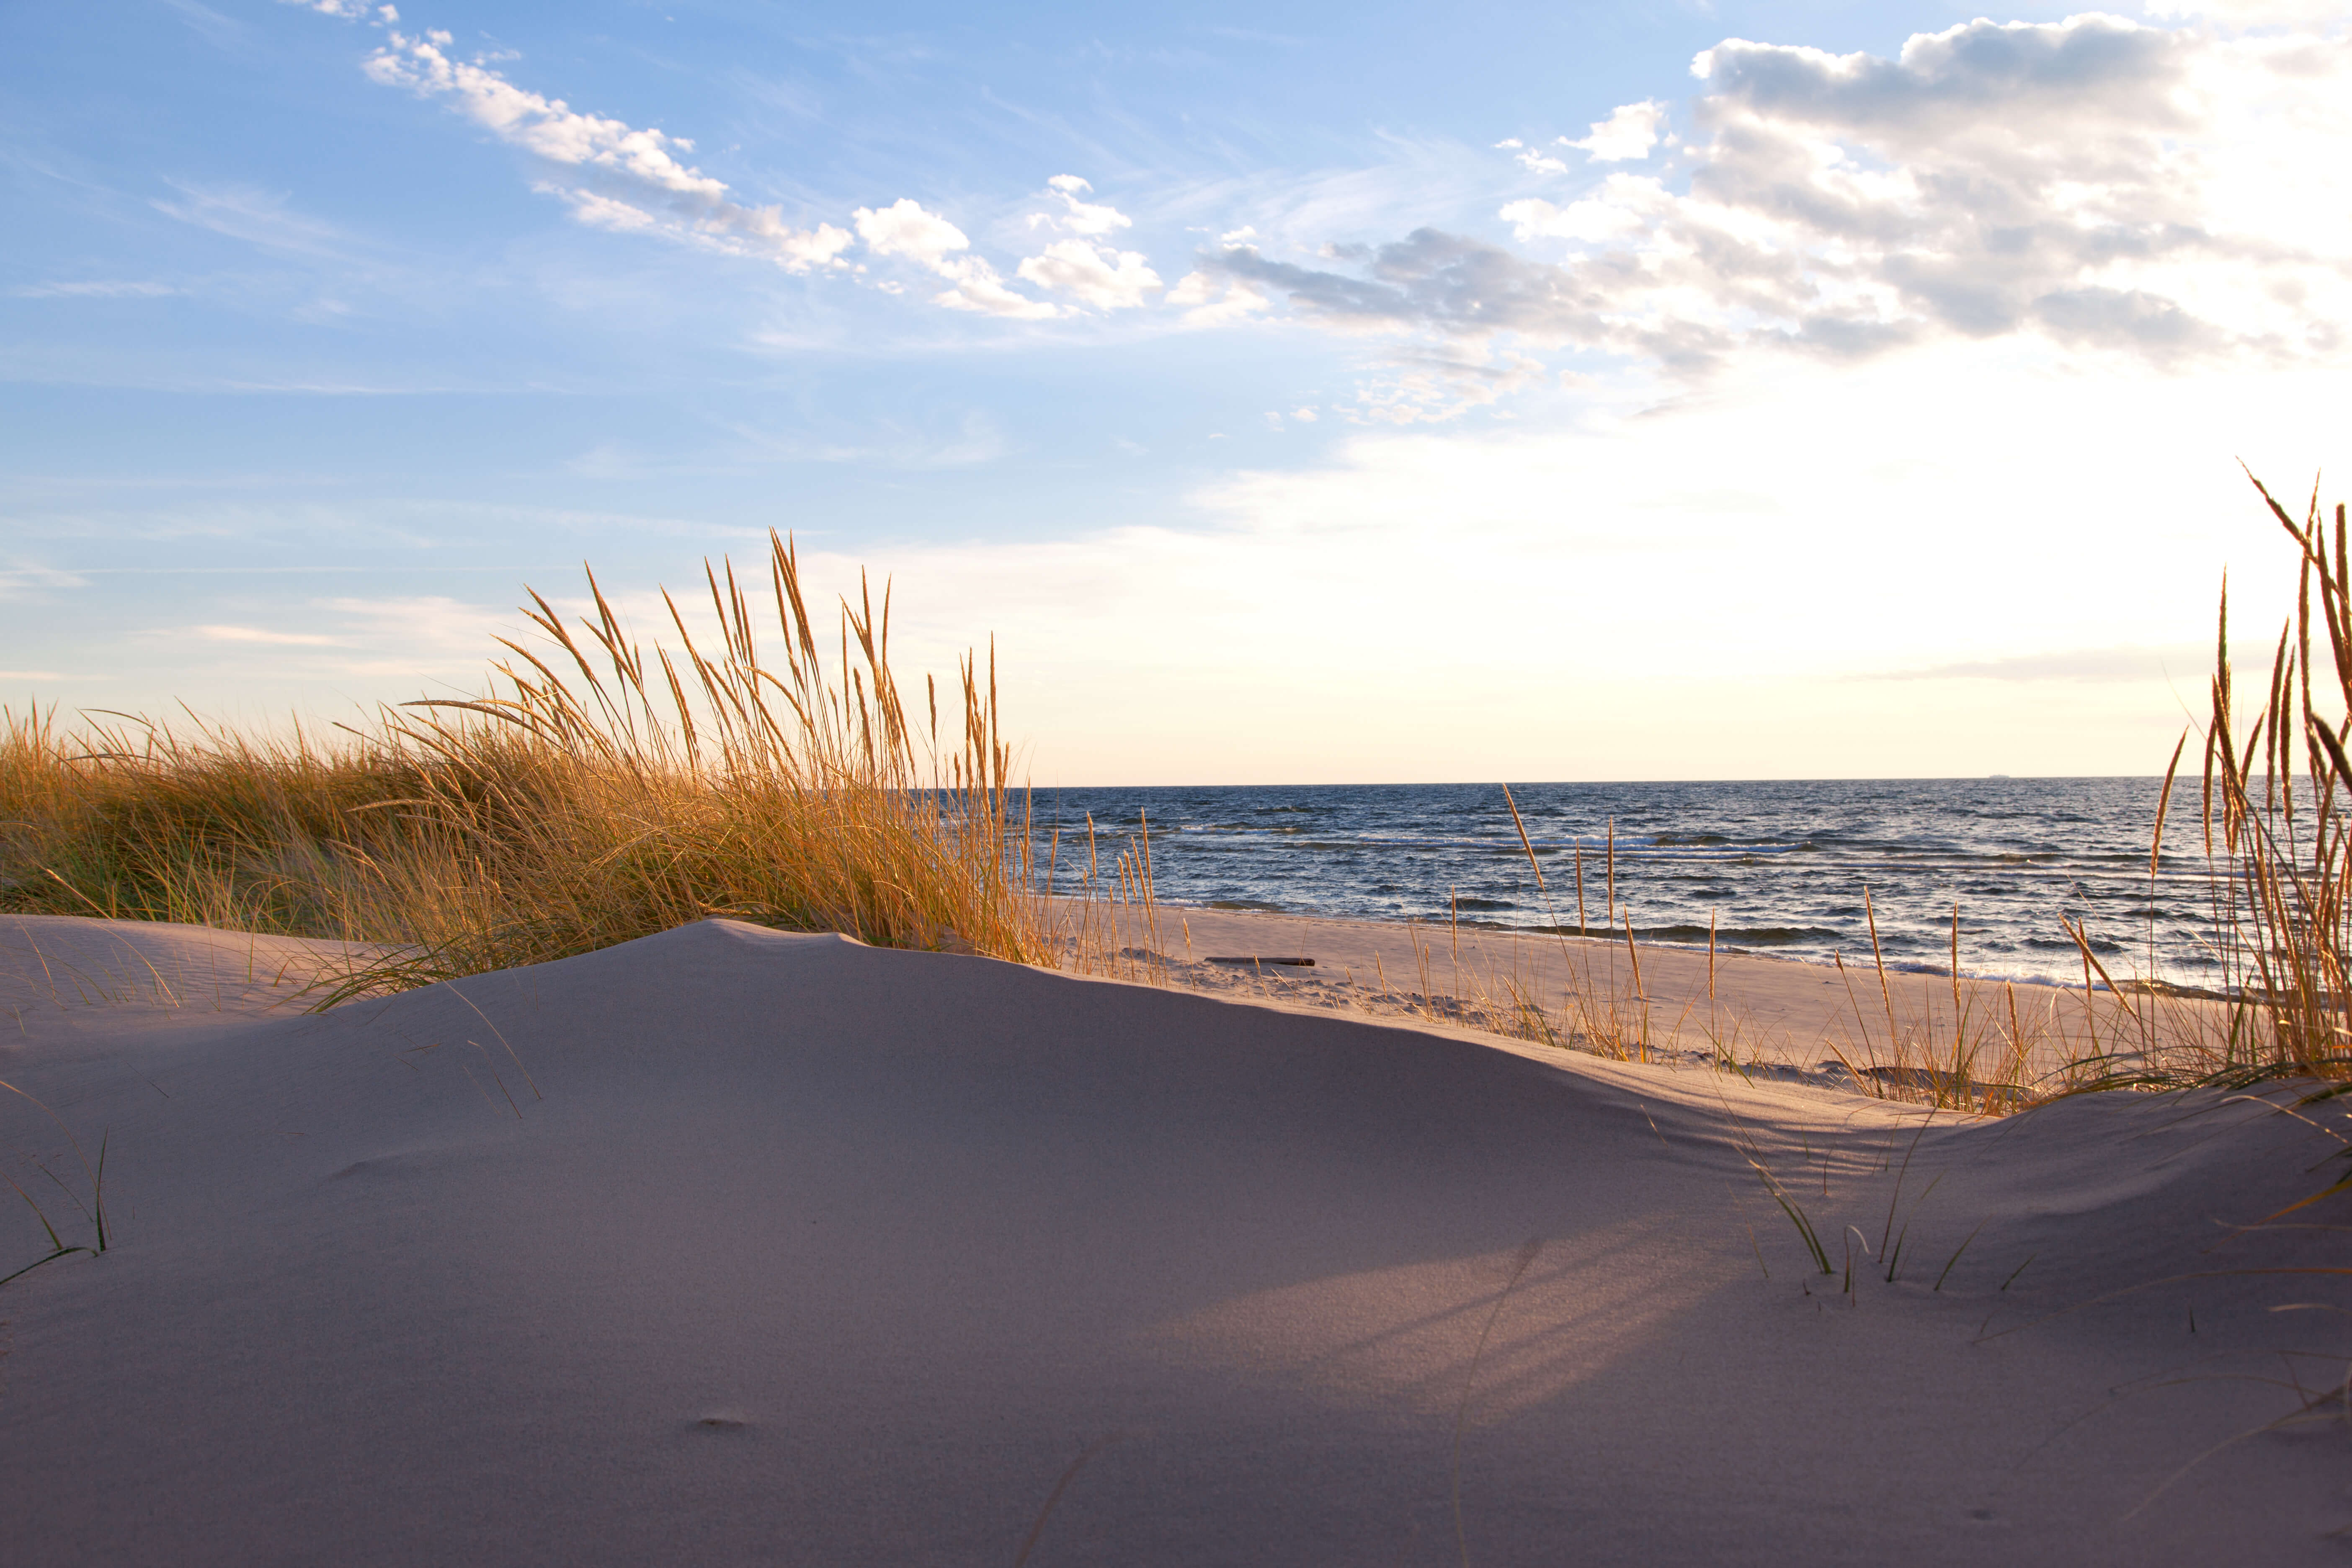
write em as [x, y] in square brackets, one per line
[1106, 280]
[260, 635]
[1433, 384]
[1080, 217]
[1624, 207]
[978, 287]
[1210, 301]
[2318, 14]
[639, 171]
[2178, 199]
[35, 675]
[1535, 163]
[906, 229]
[352, 10]
[1305, 415]
[1099, 276]
[1629, 133]
[605, 212]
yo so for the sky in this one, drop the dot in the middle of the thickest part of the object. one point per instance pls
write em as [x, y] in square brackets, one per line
[1294, 393]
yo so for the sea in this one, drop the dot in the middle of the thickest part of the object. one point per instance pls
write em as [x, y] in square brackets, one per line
[1794, 868]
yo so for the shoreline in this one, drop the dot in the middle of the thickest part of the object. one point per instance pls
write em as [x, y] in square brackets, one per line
[1796, 1018]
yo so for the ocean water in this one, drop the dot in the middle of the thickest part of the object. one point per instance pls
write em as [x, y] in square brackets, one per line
[1779, 867]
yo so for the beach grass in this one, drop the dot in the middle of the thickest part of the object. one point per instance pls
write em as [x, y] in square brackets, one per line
[600, 789]
[595, 793]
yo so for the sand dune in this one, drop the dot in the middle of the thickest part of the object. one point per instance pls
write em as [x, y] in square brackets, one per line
[730, 1245]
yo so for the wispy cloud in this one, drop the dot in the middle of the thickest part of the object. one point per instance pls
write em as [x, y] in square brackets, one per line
[18, 582]
[263, 635]
[615, 175]
[1080, 217]
[1215, 302]
[2093, 185]
[256, 216]
[94, 288]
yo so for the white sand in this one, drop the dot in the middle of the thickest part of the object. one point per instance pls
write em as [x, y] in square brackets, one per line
[1757, 1009]
[806, 1252]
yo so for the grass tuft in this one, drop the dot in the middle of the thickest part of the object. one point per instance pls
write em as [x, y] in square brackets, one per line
[599, 791]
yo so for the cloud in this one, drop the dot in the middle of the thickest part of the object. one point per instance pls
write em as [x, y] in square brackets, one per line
[978, 287]
[1630, 132]
[256, 216]
[94, 288]
[906, 229]
[1534, 162]
[1099, 276]
[1106, 280]
[17, 582]
[1080, 217]
[1764, 508]
[421, 634]
[2176, 199]
[626, 178]
[259, 635]
[40, 675]
[1209, 301]
[1433, 384]
[1624, 207]
[2318, 14]
[1447, 283]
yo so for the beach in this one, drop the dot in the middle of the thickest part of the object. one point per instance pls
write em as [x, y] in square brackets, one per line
[1803, 1022]
[1324, 788]
[733, 1245]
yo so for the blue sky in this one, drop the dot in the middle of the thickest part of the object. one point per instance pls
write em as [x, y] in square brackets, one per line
[1294, 393]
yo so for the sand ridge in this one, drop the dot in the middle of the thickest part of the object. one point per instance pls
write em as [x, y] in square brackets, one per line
[734, 1246]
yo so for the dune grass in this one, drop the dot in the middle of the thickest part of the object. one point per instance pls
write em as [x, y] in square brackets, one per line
[600, 791]
[593, 795]
[2276, 786]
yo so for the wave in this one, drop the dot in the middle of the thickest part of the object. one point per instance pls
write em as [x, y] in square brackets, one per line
[1696, 935]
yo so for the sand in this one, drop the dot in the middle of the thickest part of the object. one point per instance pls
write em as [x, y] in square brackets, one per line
[729, 1246]
[1796, 1021]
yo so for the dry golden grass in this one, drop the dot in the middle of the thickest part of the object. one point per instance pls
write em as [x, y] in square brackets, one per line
[595, 795]
[600, 792]
[2274, 833]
